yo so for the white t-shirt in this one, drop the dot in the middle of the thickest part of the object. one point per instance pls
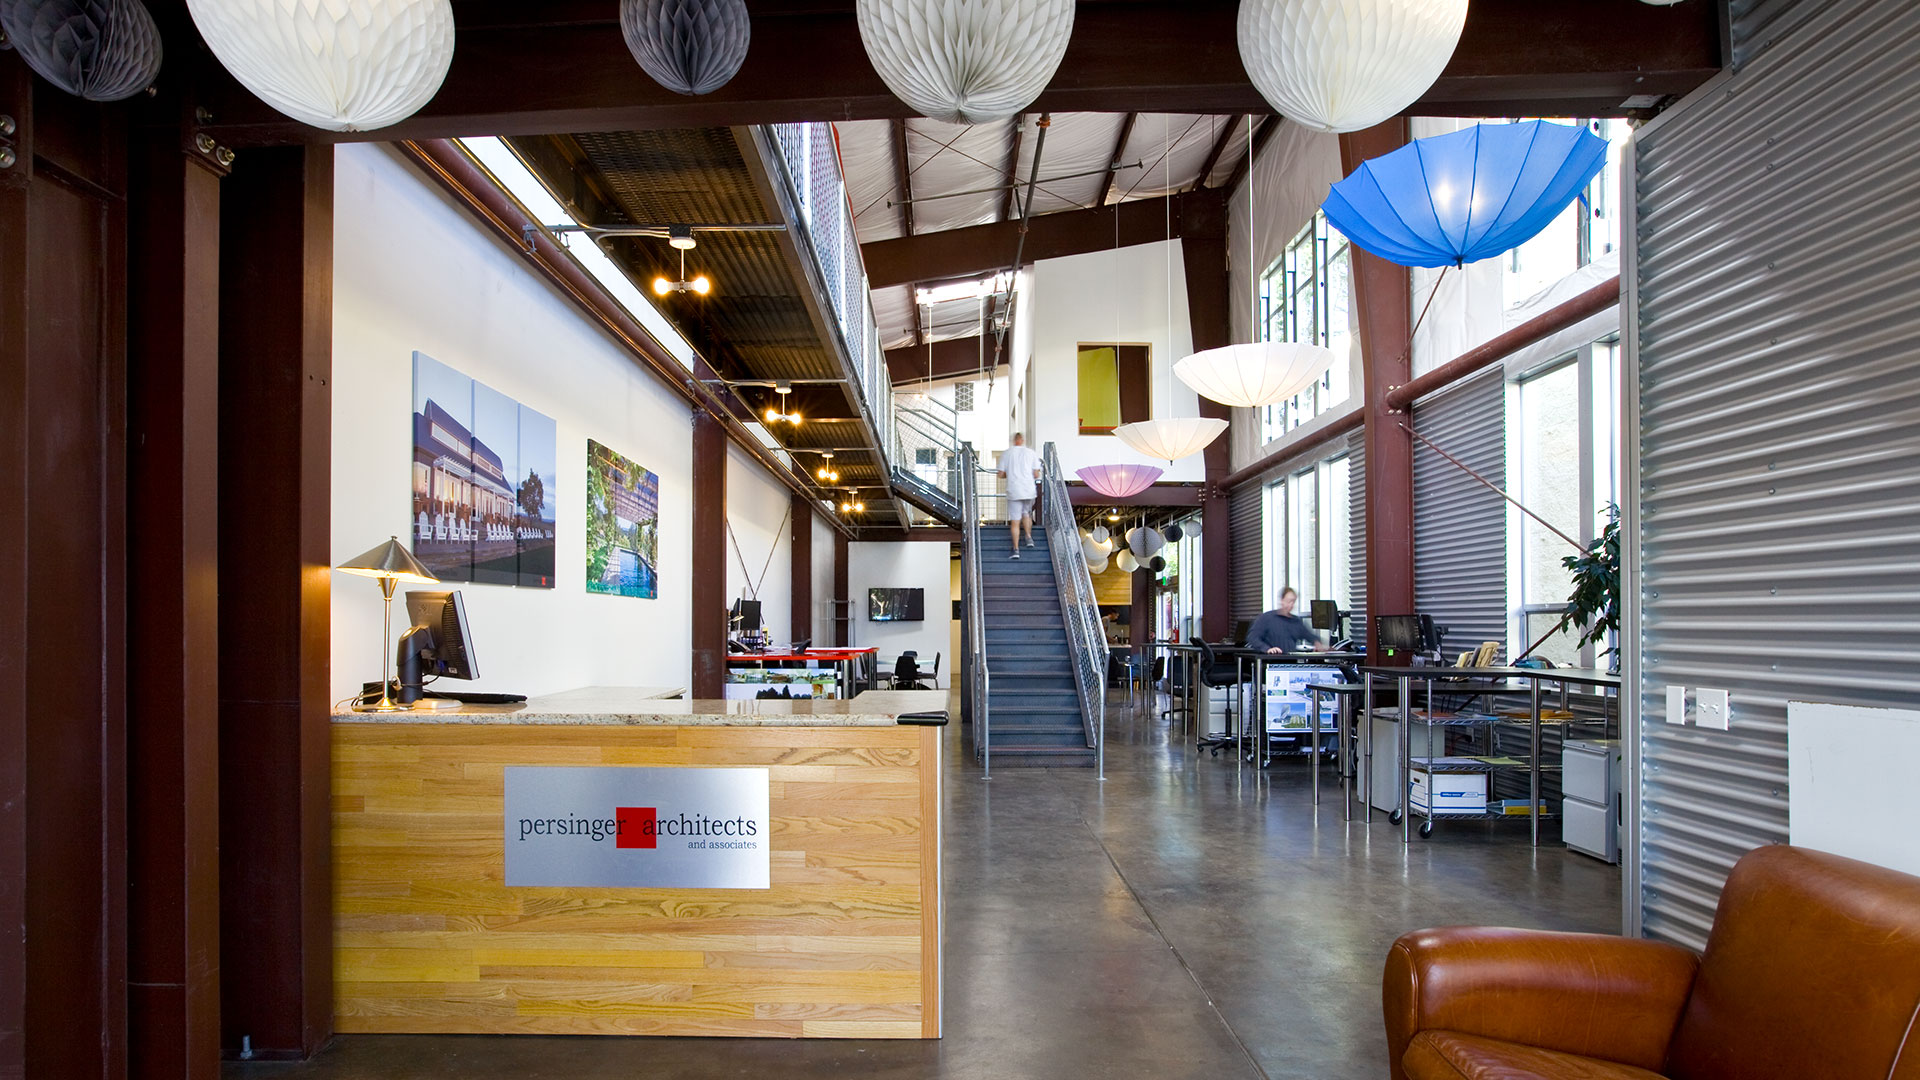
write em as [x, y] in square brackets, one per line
[1019, 463]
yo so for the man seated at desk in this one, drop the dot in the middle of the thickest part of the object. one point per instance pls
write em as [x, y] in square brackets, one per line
[1281, 631]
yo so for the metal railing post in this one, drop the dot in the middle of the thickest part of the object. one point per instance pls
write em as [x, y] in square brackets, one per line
[973, 611]
[1085, 639]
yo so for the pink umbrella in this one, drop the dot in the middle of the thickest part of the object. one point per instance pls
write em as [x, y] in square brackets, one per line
[1119, 481]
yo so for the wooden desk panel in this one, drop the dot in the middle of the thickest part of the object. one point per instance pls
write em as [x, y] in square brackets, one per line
[428, 938]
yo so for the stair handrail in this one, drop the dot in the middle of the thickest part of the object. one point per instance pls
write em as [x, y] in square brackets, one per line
[1086, 640]
[973, 612]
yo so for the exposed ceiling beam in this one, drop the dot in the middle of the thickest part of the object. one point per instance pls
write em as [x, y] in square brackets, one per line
[1258, 142]
[951, 358]
[1080, 494]
[904, 181]
[1113, 162]
[1013, 164]
[562, 66]
[984, 249]
[1219, 148]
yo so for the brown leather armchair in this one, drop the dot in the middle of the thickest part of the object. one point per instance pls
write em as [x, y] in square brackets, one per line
[1812, 971]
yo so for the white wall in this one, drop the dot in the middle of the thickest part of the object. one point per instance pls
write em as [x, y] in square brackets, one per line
[918, 565]
[1121, 296]
[412, 271]
[762, 539]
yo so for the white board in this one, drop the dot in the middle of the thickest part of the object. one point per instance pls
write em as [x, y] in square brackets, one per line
[1850, 776]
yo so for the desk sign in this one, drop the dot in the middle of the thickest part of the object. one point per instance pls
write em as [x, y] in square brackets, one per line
[644, 828]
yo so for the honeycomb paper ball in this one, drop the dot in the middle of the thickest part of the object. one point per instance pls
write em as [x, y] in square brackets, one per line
[965, 61]
[688, 46]
[342, 65]
[1345, 65]
[100, 50]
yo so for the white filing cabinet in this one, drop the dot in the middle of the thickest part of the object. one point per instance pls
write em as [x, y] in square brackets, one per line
[1590, 771]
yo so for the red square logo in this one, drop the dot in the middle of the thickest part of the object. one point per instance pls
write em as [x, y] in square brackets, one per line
[636, 827]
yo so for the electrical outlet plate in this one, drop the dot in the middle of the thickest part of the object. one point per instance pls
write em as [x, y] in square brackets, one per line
[1712, 709]
[1677, 706]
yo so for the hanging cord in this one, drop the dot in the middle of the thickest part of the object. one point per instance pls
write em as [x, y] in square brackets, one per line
[1424, 308]
[753, 584]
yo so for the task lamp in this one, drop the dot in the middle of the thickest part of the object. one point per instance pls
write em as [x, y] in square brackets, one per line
[389, 563]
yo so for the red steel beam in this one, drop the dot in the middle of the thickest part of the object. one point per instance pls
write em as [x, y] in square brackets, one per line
[1589, 303]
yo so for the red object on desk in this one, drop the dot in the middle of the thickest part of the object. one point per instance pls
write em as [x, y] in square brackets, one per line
[828, 655]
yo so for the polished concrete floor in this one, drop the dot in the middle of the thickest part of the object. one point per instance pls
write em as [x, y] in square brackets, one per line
[1185, 918]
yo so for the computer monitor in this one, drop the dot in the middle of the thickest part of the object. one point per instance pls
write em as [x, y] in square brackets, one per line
[439, 645]
[1431, 634]
[1326, 615]
[896, 605]
[745, 614]
[1398, 633]
[1240, 631]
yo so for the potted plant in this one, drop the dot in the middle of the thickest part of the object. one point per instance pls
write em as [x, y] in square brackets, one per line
[1594, 607]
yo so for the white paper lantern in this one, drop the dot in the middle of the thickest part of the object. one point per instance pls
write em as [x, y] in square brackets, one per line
[965, 61]
[1099, 534]
[1094, 552]
[1344, 65]
[1145, 543]
[1126, 562]
[1249, 376]
[342, 65]
[1099, 567]
[1171, 438]
[688, 46]
[100, 50]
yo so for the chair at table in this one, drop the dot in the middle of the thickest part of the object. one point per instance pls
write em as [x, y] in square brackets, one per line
[1215, 674]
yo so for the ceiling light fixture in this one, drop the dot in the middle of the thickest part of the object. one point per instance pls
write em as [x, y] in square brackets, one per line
[343, 65]
[699, 286]
[681, 236]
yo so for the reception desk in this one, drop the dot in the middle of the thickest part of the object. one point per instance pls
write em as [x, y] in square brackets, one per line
[436, 930]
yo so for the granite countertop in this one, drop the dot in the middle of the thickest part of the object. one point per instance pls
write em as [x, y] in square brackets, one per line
[640, 705]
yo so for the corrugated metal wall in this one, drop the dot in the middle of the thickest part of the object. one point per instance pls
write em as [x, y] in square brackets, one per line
[1249, 548]
[1777, 364]
[1357, 532]
[1459, 525]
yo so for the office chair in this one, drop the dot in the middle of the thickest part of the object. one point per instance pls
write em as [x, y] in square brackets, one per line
[1215, 674]
[934, 677]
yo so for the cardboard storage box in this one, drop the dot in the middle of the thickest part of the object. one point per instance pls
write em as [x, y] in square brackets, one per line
[1446, 793]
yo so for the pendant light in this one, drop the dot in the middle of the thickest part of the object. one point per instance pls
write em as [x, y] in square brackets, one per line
[1119, 481]
[689, 46]
[1344, 65]
[965, 61]
[342, 65]
[1257, 373]
[1170, 438]
[100, 50]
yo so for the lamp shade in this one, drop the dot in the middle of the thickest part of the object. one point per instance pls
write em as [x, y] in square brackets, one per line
[965, 61]
[1171, 438]
[1249, 376]
[100, 50]
[389, 560]
[1448, 200]
[342, 65]
[1344, 65]
[1119, 481]
[1144, 542]
[688, 46]
[1126, 562]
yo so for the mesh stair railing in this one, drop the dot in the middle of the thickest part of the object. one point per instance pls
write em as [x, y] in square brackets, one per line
[973, 622]
[1085, 639]
[926, 454]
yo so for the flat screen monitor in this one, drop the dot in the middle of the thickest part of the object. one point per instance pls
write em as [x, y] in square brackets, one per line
[745, 614]
[1240, 631]
[896, 605]
[447, 651]
[1399, 633]
[1326, 615]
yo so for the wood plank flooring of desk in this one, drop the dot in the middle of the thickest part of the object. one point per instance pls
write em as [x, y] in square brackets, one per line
[428, 938]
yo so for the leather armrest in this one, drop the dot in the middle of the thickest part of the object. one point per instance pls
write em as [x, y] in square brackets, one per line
[1613, 998]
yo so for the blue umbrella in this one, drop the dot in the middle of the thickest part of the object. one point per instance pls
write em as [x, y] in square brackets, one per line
[1468, 195]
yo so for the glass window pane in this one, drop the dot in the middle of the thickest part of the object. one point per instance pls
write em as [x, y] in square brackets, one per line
[1562, 648]
[1550, 480]
[1340, 536]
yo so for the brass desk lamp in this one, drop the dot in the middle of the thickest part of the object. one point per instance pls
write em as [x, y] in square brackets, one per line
[389, 563]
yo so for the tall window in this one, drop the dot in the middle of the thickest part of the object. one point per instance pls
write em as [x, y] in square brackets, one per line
[1308, 546]
[1585, 231]
[1564, 446]
[1307, 296]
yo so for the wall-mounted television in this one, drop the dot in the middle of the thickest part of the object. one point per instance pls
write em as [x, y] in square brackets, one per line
[896, 605]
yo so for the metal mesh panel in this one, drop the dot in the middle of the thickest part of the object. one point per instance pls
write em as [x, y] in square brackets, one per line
[1459, 525]
[1357, 531]
[1778, 403]
[1247, 514]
